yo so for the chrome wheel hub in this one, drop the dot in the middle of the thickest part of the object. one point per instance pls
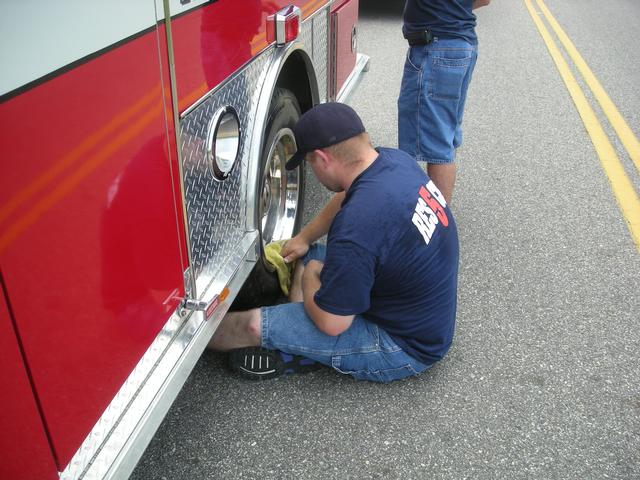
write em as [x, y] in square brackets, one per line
[280, 190]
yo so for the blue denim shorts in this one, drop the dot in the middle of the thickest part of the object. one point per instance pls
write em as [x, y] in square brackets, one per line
[364, 351]
[432, 97]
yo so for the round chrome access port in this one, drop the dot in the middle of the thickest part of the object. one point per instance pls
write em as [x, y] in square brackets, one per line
[223, 142]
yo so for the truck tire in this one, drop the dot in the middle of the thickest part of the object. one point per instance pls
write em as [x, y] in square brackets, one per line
[280, 192]
[278, 200]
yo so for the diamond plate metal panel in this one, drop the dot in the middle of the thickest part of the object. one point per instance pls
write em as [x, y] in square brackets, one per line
[320, 42]
[215, 210]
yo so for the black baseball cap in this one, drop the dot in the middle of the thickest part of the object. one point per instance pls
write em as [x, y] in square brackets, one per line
[322, 126]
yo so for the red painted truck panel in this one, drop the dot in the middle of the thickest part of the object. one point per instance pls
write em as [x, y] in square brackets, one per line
[22, 435]
[90, 242]
[212, 42]
[345, 18]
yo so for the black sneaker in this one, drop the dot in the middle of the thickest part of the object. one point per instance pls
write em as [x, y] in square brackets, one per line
[257, 363]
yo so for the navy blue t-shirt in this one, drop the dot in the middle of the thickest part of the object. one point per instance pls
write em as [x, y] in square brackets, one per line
[444, 18]
[392, 256]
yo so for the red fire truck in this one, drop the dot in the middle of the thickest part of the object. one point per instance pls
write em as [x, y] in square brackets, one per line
[143, 146]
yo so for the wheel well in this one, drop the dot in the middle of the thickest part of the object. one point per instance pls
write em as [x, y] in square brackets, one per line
[295, 77]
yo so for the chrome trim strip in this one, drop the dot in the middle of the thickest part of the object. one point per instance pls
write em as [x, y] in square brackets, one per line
[333, 55]
[269, 80]
[141, 421]
[98, 449]
[176, 126]
[354, 78]
[116, 443]
[224, 277]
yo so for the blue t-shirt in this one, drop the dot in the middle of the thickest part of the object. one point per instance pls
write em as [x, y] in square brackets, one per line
[392, 256]
[444, 18]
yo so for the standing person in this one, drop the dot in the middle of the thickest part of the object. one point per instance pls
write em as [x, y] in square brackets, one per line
[379, 302]
[443, 49]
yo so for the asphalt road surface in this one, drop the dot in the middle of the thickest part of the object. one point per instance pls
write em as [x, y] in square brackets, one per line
[543, 378]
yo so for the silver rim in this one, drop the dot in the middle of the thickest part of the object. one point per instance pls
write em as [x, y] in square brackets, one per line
[280, 190]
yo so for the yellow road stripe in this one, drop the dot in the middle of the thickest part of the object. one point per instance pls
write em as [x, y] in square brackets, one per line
[622, 188]
[629, 140]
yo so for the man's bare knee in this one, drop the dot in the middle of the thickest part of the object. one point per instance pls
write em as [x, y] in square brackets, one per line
[254, 326]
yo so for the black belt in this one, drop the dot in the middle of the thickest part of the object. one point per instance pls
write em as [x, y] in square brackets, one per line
[423, 37]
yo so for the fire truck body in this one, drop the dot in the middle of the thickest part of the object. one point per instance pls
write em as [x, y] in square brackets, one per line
[143, 150]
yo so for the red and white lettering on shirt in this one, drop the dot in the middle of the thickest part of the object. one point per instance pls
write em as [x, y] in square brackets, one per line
[429, 211]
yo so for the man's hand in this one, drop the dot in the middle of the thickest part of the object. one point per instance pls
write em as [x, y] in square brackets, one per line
[294, 249]
[319, 226]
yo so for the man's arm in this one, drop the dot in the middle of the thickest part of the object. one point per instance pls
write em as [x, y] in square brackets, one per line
[480, 3]
[316, 228]
[326, 322]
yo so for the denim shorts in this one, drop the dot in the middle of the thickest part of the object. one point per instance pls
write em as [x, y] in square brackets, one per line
[432, 97]
[364, 351]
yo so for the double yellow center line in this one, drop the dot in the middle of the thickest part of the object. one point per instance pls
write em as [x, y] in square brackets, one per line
[622, 187]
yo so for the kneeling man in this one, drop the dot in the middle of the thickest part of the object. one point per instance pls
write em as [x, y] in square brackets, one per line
[379, 302]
